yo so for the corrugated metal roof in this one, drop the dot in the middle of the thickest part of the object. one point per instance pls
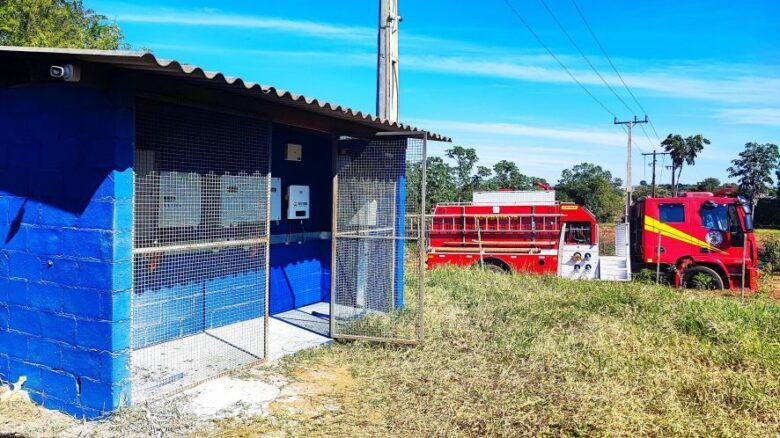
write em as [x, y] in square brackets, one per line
[140, 60]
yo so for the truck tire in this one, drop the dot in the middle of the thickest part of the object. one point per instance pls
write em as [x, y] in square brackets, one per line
[497, 266]
[703, 278]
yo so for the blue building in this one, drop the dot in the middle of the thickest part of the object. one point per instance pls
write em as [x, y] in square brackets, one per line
[161, 225]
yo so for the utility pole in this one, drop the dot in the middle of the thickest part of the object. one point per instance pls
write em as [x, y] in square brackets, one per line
[629, 186]
[387, 61]
[655, 160]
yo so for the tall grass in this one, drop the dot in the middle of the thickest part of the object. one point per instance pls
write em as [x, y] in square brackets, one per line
[512, 355]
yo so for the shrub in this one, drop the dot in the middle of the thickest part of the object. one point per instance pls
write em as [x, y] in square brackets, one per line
[645, 275]
[769, 254]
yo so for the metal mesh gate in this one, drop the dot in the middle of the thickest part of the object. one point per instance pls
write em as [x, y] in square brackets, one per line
[379, 240]
[200, 251]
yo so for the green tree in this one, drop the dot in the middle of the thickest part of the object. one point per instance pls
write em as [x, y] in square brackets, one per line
[508, 176]
[753, 169]
[439, 188]
[593, 187]
[777, 175]
[483, 180]
[465, 159]
[56, 23]
[708, 185]
[682, 151]
[645, 190]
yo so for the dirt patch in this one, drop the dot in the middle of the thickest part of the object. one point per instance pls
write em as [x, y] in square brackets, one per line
[773, 286]
[314, 391]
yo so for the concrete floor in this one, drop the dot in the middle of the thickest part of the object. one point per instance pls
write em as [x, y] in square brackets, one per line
[172, 365]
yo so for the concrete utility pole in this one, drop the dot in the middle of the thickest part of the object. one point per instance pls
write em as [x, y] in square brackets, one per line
[629, 186]
[387, 61]
[655, 160]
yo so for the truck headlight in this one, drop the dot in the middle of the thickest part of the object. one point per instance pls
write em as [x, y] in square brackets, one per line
[714, 238]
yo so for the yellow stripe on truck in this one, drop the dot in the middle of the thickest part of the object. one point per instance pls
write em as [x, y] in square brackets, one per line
[655, 226]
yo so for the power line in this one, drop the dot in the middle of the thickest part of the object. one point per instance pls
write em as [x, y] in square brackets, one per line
[592, 67]
[598, 42]
[550, 52]
[649, 140]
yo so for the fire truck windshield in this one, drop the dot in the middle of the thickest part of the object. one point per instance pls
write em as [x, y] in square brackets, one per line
[714, 216]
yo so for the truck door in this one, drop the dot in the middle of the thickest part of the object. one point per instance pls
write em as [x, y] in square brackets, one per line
[667, 230]
[718, 226]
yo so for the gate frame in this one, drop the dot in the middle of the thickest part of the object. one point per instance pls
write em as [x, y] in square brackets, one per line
[421, 239]
[163, 99]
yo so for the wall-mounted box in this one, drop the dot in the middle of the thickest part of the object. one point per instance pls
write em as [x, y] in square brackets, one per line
[293, 152]
[276, 199]
[179, 202]
[297, 202]
[241, 198]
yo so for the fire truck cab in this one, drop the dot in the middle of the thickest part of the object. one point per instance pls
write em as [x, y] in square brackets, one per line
[695, 240]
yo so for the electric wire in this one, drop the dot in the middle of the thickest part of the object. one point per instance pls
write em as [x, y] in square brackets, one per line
[592, 67]
[576, 46]
[604, 51]
[649, 140]
[550, 52]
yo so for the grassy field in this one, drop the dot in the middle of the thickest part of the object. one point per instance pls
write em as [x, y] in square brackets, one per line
[513, 355]
[768, 232]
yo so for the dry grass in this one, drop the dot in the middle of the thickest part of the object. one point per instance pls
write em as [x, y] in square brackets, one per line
[511, 355]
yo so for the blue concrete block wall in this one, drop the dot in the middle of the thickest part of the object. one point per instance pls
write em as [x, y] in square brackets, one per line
[65, 243]
[191, 292]
[300, 270]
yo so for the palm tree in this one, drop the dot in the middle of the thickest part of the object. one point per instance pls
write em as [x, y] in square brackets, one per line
[674, 144]
[682, 151]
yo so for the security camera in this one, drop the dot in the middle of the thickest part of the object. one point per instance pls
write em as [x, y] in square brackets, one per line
[67, 72]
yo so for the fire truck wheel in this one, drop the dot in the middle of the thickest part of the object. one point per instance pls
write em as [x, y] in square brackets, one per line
[702, 277]
[496, 266]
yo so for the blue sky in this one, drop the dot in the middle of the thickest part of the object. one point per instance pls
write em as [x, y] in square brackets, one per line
[471, 71]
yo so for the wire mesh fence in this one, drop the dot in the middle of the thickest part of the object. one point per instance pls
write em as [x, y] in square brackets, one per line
[200, 252]
[379, 239]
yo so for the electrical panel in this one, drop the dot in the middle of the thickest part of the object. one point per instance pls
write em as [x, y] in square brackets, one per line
[297, 202]
[276, 199]
[366, 215]
[293, 152]
[179, 200]
[240, 199]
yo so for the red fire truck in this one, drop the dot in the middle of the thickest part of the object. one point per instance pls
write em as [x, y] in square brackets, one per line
[697, 239]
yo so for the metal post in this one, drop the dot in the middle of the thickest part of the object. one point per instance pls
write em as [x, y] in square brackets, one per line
[658, 259]
[387, 61]
[744, 255]
[422, 243]
[267, 293]
[333, 241]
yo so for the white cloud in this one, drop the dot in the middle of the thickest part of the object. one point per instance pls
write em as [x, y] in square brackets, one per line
[589, 136]
[750, 116]
[677, 82]
[216, 19]
[723, 83]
